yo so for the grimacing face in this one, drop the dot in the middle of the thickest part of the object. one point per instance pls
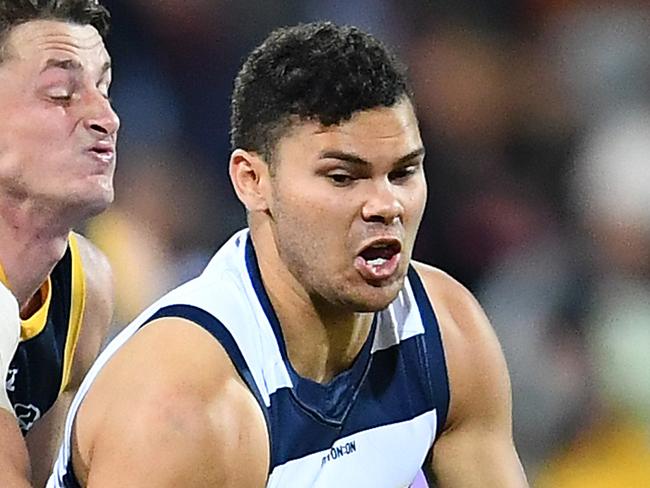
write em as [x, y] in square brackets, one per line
[57, 128]
[346, 204]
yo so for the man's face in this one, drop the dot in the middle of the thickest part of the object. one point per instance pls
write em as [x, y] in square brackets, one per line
[57, 127]
[346, 204]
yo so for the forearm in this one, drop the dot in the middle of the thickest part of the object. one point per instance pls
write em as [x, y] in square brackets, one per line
[14, 460]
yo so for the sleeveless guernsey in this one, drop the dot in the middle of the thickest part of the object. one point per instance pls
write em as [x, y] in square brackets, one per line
[370, 426]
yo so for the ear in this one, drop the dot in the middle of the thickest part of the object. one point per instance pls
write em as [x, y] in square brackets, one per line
[249, 175]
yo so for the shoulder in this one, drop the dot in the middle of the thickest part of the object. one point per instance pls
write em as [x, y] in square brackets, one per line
[459, 313]
[98, 306]
[475, 363]
[96, 268]
[172, 394]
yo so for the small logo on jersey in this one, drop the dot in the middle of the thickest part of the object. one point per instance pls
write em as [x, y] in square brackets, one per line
[11, 379]
[26, 415]
[337, 452]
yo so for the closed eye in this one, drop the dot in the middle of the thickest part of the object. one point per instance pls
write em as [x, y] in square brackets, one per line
[60, 94]
[61, 99]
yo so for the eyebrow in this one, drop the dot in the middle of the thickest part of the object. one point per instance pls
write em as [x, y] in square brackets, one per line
[359, 161]
[71, 65]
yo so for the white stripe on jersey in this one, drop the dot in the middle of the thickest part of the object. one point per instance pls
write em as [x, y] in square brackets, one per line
[338, 466]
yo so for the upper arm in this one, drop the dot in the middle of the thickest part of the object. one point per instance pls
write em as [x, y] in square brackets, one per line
[44, 438]
[476, 447]
[98, 312]
[170, 410]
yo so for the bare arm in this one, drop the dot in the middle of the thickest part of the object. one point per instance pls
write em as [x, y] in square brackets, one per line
[476, 448]
[14, 461]
[169, 410]
[99, 310]
[45, 437]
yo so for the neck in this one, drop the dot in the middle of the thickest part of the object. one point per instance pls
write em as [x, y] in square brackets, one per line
[322, 339]
[29, 234]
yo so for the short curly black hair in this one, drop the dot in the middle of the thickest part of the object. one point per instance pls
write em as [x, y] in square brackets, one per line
[82, 12]
[317, 71]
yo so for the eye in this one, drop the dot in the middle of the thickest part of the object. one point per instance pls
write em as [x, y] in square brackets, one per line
[62, 100]
[340, 179]
[60, 95]
[402, 174]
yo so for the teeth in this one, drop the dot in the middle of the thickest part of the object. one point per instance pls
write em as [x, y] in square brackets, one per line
[377, 261]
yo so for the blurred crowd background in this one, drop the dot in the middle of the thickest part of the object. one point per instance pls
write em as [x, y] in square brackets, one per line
[536, 119]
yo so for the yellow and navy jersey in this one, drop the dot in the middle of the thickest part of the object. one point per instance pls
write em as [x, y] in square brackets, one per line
[40, 369]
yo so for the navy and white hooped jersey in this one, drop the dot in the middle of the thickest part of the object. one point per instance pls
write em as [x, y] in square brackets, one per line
[371, 426]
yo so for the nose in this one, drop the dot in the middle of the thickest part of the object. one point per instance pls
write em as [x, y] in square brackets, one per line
[383, 205]
[100, 117]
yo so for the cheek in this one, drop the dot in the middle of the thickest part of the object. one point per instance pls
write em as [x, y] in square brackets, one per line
[307, 222]
[317, 209]
[314, 224]
[39, 134]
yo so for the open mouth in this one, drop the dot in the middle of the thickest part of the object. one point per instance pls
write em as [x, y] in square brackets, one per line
[378, 253]
[379, 260]
[104, 154]
[102, 150]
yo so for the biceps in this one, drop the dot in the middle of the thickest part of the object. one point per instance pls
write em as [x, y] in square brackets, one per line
[468, 459]
[140, 463]
[181, 444]
[124, 466]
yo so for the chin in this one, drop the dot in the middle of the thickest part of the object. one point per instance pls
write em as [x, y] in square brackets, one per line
[375, 298]
[371, 307]
[92, 203]
[98, 205]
